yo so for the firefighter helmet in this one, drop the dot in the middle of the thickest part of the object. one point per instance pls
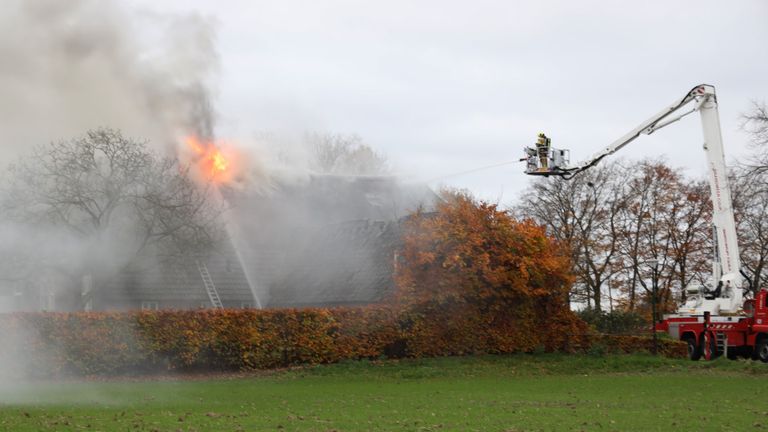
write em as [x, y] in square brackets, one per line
[542, 140]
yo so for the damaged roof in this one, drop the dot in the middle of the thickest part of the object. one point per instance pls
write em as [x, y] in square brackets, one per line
[340, 264]
[325, 240]
[177, 282]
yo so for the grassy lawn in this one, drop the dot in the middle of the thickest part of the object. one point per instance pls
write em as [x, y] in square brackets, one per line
[512, 393]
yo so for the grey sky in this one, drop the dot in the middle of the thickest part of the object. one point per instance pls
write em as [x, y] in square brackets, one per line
[445, 86]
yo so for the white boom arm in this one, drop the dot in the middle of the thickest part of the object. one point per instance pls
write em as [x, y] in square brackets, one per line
[728, 298]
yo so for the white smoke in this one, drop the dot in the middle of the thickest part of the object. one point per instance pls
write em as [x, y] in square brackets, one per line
[69, 66]
[74, 65]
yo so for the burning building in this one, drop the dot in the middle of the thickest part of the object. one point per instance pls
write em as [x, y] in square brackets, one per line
[315, 240]
[328, 241]
[325, 240]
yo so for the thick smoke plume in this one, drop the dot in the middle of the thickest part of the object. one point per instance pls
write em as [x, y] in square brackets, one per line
[69, 66]
[76, 65]
[72, 66]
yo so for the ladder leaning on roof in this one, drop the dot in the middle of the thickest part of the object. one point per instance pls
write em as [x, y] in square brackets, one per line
[210, 288]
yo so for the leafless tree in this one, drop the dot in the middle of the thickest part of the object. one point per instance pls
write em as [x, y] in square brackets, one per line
[583, 214]
[635, 212]
[750, 196]
[750, 201]
[755, 123]
[345, 154]
[665, 239]
[106, 200]
[689, 221]
[619, 217]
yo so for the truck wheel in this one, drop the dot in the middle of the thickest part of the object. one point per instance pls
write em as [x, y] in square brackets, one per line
[694, 350]
[761, 350]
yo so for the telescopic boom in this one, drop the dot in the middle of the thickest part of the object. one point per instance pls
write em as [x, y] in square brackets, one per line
[727, 297]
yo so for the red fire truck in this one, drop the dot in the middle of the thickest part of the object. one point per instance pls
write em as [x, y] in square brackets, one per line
[742, 334]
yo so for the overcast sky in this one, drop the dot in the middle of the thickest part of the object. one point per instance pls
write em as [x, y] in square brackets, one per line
[445, 86]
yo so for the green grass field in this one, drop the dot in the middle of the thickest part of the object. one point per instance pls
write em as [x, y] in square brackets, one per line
[511, 393]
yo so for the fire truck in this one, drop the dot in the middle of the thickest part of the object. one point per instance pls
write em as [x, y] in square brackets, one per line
[717, 318]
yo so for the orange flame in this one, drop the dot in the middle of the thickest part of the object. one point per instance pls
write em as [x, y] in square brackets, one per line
[219, 162]
[213, 159]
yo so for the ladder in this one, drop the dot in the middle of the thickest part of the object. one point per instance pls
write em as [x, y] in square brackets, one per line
[210, 288]
[721, 342]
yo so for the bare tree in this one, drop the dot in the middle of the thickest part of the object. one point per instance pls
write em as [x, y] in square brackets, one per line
[616, 219]
[583, 214]
[750, 201]
[660, 184]
[755, 123]
[107, 200]
[345, 154]
[689, 221]
[665, 238]
[634, 214]
[750, 198]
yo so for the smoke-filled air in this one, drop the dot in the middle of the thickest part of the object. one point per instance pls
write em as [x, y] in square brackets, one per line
[76, 65]
[295, 215]
[118, 194]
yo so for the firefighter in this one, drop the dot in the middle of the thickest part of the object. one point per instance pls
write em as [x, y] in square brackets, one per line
[542, 146]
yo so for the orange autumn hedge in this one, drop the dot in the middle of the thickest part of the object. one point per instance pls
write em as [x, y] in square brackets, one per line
[624, 344]
[46, 344]
[50, 344]
[470, 279]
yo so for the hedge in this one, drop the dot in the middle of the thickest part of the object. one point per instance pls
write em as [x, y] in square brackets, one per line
[623, 344]
[59, 344]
